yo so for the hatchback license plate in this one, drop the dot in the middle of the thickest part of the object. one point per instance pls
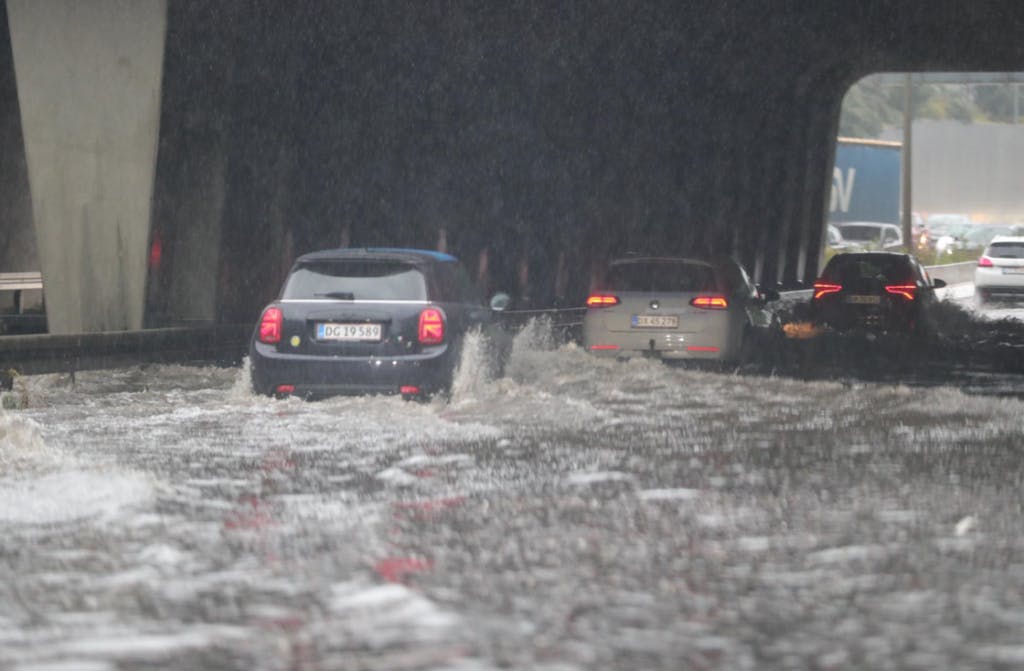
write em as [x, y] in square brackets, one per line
[347, 332]
[863, 300]
[1013, 271]
[656, 321]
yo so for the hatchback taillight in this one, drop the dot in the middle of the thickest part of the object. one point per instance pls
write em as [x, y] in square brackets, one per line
[904, 290]
[984, 262]
[270, 326]
[431, 329]
[710, 302]
[824, 288]
[602, 300]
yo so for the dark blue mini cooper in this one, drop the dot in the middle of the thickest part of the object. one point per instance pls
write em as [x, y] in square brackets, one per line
[354, 321]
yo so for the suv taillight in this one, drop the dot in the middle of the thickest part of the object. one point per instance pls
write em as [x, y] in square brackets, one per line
[822, 288]
[602, 300]
[270, 326]
[984, 262]
[431, 329]
[904, 290]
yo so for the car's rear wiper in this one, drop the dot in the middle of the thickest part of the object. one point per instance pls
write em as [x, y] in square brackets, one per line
[340, 295]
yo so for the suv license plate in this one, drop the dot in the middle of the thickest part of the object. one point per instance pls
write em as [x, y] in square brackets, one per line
[347, 332]
[655, 321]
[863, 300]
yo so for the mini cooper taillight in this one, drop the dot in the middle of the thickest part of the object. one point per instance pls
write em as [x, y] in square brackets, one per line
[602, 300]
[270, 326]
[431, 329]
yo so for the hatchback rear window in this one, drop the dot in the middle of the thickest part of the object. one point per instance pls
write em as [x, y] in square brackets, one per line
[661, 276]
[357, 279]
[1006, 250]
[850, 267]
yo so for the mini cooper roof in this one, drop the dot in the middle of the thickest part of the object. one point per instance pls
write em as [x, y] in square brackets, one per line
[383, 253]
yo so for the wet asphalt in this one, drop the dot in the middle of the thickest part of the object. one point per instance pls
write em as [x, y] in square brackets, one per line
[573, 514]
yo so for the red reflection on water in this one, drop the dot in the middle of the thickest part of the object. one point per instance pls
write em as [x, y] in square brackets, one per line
[398, 569]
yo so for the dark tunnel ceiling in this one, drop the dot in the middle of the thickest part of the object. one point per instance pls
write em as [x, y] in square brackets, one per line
[582, 126]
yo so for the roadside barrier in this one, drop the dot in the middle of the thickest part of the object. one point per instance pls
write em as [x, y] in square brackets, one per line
[566, 323]
[953, 273]
[223, 344]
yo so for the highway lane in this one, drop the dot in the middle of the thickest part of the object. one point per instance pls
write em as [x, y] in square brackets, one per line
[575, 514]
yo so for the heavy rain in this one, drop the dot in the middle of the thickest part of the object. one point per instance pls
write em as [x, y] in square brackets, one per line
[828, 499]
[571, 514]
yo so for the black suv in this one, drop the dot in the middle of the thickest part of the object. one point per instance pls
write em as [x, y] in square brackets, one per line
[881, 292]
[352, 321]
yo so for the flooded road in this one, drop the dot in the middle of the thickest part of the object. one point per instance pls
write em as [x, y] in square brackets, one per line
[574, 514]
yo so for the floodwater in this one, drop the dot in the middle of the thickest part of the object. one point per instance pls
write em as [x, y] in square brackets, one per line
[574, 514]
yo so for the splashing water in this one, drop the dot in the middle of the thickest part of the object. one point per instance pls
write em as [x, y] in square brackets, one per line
[241, 389]
[527, 358]
[22, 447]
[486, 356]
[474, 374]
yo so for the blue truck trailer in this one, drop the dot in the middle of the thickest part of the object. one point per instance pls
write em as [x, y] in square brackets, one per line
[865, 181]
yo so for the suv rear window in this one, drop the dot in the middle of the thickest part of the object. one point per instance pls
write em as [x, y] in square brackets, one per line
[661, 276]
[357, 279]
[861, 233]
[850, 267]
[1006, 250]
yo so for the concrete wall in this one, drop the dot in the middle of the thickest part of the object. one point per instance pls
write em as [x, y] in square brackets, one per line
[17, 237]
[975, 169]
[89, 82]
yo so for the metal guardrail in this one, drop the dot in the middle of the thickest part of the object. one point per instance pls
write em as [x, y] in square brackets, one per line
[954, 273]
[566, 323]
[20, 281]
[46, 353]
[20, 321]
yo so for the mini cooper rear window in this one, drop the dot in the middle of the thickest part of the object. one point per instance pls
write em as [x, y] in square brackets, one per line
[357, 279]
[666, 276]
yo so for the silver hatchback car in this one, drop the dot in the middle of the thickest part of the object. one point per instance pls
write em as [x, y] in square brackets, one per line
[678, 308]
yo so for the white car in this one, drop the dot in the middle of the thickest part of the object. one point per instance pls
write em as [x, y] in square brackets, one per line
[837, 243]
[872, 235]
[1001, 268]
[677, 308]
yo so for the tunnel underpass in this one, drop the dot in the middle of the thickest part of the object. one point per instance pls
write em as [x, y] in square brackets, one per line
[581, 132]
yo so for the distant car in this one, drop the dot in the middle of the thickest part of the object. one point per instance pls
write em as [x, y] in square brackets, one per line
[678, 308]
[872, 235]
[876, 292]
[918, 232]
[1000, 269]
[981, 234]
[945, 232]
[353, 321]
[944, 219]
[837, 243]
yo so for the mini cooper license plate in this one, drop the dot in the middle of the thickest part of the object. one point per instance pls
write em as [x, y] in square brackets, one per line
[656, 321]
[863, 300]
[347, 332]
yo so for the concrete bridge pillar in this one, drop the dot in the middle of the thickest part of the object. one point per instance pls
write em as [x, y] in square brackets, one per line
[89, 77]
